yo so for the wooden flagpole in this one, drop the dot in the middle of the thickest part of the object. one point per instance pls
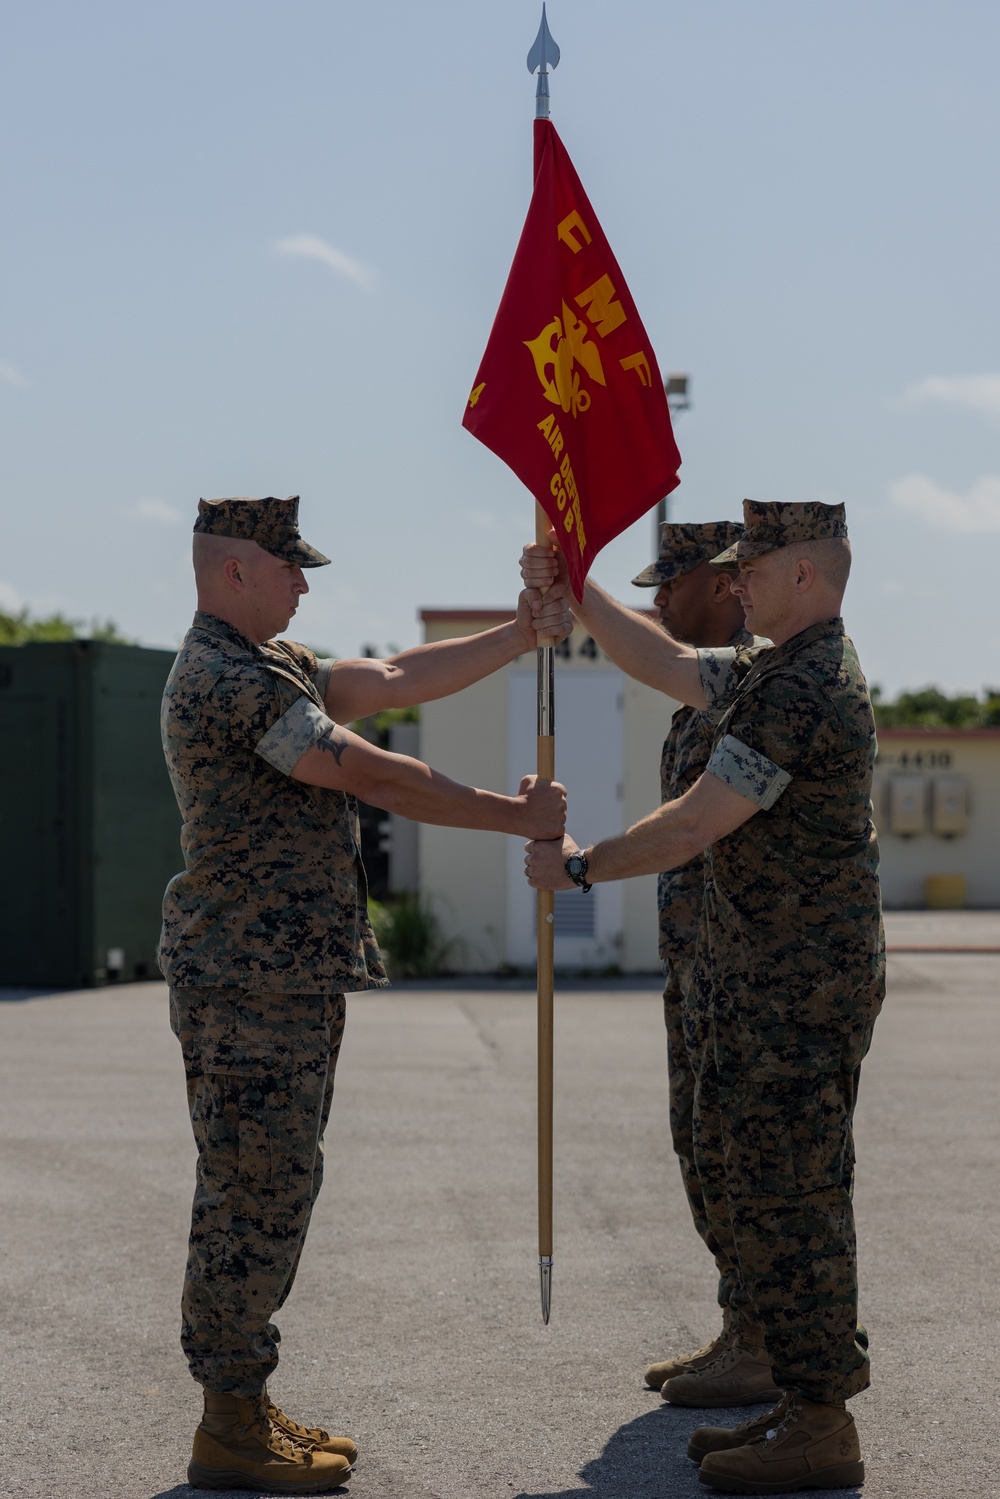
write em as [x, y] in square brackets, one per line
[543, 55]
[546, 766]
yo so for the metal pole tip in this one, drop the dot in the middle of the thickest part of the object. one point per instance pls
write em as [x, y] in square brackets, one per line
[545, 1271]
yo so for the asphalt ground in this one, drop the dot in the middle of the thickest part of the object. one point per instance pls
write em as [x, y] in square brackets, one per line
[414, 1324]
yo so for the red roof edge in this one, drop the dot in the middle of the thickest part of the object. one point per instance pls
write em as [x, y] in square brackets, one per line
[919, 732]
[488, 616]
[439, 616]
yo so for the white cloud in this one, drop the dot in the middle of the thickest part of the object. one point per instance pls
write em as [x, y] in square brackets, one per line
[159, 511]
[311, 247]
[977, 392]
[11, 601]
[976, 511]
[11, 375]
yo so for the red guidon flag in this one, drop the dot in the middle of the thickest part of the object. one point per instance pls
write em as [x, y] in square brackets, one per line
[568, 393]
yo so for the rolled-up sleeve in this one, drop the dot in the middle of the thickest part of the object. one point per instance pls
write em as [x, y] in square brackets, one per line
[747, 771]
[297, 730]
[321, 676]
[717, 666]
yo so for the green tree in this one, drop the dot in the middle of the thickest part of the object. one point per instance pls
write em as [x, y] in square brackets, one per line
[930, 708]
[18, 629]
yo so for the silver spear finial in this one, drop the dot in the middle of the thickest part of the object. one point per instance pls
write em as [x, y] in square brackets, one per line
[544, 55]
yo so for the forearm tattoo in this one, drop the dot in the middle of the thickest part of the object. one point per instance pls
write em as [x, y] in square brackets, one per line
[334, 741]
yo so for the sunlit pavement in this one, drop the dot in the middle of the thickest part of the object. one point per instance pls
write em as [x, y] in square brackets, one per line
[415, 1323]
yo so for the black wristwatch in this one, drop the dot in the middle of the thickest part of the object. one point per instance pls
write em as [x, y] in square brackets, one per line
[576, 867]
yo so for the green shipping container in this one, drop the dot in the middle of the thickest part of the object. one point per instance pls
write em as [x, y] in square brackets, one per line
[89, 829]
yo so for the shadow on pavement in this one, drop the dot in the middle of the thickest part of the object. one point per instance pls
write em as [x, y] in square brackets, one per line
[185, 1491]
[647, 1459]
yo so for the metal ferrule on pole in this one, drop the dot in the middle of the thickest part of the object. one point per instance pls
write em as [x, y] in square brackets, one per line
[546, 691]
[545, 1269]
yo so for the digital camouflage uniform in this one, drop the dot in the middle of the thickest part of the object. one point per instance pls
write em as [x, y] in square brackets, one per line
[681, 894]
[680, 900]
[263, 932]
[790, 975]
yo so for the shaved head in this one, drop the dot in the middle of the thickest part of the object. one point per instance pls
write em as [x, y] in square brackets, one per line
[831, 557]
[209, 553]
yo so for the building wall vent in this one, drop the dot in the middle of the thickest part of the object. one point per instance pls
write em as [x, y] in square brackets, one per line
[907, 805]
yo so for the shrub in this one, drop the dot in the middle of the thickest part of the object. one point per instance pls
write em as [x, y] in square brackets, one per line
[409, 935]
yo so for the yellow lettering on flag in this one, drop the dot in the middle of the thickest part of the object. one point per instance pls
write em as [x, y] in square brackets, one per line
[603, 310]
[562, 485]
[640, 364]
[566, 228]
[477, 393]
[550, 428]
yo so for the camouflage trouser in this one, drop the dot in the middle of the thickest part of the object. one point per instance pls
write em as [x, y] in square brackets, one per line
[781, 1119]
[260, 1071]
[703, 1172]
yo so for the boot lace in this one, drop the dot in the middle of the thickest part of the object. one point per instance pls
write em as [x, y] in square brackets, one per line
[762, 1426]
[716, 1346]
[733, 1354]
[277, 1417]
[793, 1411]
[277, 1440]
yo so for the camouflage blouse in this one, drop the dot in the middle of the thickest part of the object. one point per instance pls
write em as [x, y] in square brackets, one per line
[273, 894]
[792, 896]
[680, 893]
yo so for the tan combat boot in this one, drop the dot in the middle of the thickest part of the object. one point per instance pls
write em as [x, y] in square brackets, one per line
[812, 1447]
[706, 1439]
[236, 1447]
[311, 1436]
[657, 1375]
[739, 1375]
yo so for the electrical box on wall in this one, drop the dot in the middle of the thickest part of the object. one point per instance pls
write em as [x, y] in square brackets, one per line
[907, 805]
[949, 805]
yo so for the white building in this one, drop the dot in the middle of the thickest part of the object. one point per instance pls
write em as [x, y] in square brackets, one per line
[937, 810]
[609, 731]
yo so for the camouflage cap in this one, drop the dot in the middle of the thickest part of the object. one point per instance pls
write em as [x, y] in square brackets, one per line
[684, 546]
[272, 523]
[767, 526]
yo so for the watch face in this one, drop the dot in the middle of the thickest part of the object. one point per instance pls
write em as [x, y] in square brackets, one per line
[575, 865]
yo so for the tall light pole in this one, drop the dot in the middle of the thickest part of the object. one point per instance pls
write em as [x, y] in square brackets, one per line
[678, 399]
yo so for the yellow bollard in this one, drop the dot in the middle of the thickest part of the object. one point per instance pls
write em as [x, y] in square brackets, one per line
[944, 892]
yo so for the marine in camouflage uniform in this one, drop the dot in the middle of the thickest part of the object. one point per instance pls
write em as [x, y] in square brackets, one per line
[263, 932]
[701, 619]
[791, 971]
[793, 965]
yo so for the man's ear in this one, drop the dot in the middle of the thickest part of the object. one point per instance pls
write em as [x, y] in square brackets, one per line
[232, 574]
[723, 584]
[805, 573]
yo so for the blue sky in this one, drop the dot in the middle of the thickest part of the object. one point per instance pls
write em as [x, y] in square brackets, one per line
[255, 247]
